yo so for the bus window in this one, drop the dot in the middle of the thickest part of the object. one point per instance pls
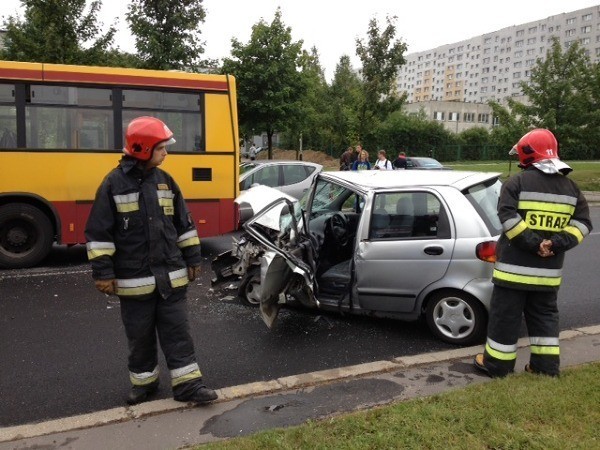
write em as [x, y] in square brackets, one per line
[8, 116]
[184, 125]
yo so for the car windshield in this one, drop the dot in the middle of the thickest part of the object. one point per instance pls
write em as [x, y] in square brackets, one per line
[333, 197]
[246, 167]
[484, 198]
[427, 162]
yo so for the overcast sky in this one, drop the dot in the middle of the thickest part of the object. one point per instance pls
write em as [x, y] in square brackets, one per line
[333, 26]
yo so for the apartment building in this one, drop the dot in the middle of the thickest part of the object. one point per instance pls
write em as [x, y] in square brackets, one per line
[491, 66]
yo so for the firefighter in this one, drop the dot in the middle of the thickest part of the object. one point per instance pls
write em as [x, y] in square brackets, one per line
[543, 214]
[143, 247]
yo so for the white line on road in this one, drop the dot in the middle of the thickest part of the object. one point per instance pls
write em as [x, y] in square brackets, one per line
[43, 274]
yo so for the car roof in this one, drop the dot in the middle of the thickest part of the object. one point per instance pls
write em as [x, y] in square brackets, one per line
[375, 179]
[282, 161]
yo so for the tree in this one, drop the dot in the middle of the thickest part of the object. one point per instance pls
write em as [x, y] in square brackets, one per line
[381, 58]
[58, 31]
[345, 98]
[166, 32]
[270, 84]
[560, 94]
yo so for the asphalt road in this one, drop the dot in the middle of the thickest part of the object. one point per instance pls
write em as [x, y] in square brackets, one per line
[63, 350]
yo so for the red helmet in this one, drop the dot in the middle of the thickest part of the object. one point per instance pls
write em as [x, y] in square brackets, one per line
[143, 135]
[537, 145]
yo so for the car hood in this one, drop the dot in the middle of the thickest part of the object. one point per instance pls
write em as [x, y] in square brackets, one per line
[257, 198]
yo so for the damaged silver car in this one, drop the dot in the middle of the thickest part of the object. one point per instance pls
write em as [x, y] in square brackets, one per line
[373, 243]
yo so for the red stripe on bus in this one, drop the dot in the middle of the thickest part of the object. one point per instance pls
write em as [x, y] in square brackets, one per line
[132, 80]
[20, 74]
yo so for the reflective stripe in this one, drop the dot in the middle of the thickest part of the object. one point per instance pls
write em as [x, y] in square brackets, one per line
[500, 355]
[547, 221]
[504, 348]
[127, 202]
[97, 249]
[510, 223]
[144, 378]
[534, 340]
[575, 232]
[523, 270]
[183, 374]
[545, 350]
[179, 278]
[165, 193]
[549, 198]
[165, 197]
[523, 279]
[580, 226]
[543, 206]
[187, 239]
[136, 286]
[165, 202]
[516, 230]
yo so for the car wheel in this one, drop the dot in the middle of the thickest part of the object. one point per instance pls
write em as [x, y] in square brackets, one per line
[250, 289]
[26, 236]
[456, 317]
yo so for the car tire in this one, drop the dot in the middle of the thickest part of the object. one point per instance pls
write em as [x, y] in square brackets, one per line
[26, 236]
[249, 290]
[456, 317]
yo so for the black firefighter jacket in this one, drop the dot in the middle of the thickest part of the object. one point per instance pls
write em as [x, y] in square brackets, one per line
[534, 206]
[140, 232]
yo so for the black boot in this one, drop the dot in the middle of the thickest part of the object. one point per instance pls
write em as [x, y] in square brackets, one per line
[200, 395]
[139, 394]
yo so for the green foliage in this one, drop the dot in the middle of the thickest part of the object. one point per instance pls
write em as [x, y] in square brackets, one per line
[345, 98]
[413, 134]
[59, 31]
[563, 97]
[270, 82]
[474, 142]
[381, 57]
[167, 33]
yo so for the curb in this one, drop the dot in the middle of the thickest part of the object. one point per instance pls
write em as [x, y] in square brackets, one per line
[123, 414]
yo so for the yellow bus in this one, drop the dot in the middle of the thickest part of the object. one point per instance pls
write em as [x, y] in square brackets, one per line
[62, 130]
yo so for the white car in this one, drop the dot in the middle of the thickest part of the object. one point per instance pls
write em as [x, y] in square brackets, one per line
[374, 243]
[291, 177]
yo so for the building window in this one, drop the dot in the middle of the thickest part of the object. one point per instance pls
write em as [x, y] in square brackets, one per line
[453, 116]
[518, 64]
[520, 33]
[519, 43]
[483, 118]
[517, 75]
[570, 32]
[468, 117]
[532, 30]
[438, 115]
[586, 17]
[570, 20]
[531, 41]
[519, 53]
[584, 41]
[587, 29]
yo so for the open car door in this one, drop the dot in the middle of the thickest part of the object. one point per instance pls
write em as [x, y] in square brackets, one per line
[287, 265]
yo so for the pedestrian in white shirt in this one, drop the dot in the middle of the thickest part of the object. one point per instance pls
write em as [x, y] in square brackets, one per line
[382, 162]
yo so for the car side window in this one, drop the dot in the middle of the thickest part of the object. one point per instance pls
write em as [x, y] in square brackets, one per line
[267, 176]
[408, 215]
[294, 173]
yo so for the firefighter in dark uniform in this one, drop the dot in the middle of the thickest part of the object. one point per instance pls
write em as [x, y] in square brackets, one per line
[144, 247]
[543, 214]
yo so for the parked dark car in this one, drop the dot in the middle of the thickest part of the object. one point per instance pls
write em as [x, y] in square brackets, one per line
[423, 163]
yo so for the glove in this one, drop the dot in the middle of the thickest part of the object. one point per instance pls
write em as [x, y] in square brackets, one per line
[193, 272]
[106, 286]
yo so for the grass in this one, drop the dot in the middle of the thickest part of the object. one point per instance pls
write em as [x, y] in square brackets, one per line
[519, 412]
[585, 173]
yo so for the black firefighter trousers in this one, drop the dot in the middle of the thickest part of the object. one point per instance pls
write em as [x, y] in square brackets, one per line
[541, 317]
[143, 320]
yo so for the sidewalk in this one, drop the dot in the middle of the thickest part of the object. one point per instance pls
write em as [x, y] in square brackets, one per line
[286, 401]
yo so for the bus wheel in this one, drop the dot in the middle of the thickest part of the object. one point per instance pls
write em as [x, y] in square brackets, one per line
[25, 236]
